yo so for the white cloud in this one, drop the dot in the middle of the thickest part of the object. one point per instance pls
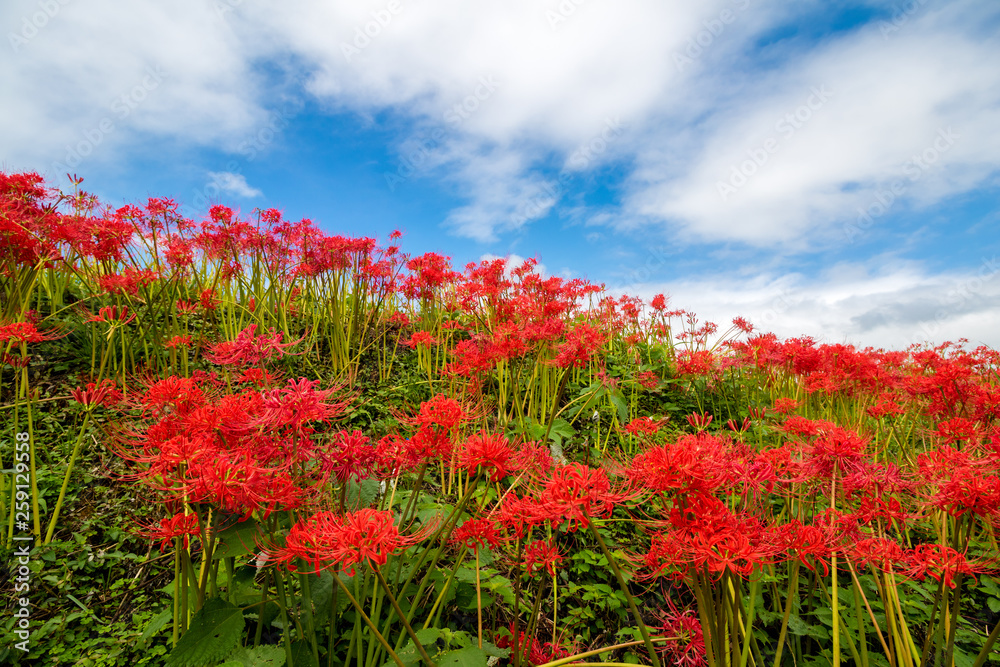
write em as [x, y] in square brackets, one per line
[234, 184]
[881, 303]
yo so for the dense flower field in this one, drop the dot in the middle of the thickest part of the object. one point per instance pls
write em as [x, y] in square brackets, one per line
[348, 455]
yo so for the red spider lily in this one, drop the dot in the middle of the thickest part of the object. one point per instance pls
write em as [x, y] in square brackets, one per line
[539, 555]
[476, 533]
[575, 494]
[659, 302]
[102, 393]
[489, 453]
[785, 405]
[186, 308]
[172, 395]
[692, 464]
[757, 413]
[25, 332]
[367, 536]
[257, 376]
[128, 281]
[836, 449]
[209, 301]
[112, 315]
[352, 457]
[685, 645]
[969, 494]
[533, 652]
[420, 338]
[699, 421]
[879, 552]
[648, 379]
[179, 525]
[884, 407]
[580, 345]
[249, 349]
[958, 429]
[531, 457]
[810, 545]
[442, 412]
[297, 404]
[738, 427]
[645, 425]
[940, 562]
[178, 341]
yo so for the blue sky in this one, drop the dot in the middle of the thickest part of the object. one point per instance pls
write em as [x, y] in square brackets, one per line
[822, 168]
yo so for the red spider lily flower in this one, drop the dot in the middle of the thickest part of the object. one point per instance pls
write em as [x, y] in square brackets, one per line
[685, 645]
[442, 412]
[958, 430]
[17, 361]
[738, 427]
[209, 301]
[575, 494]
[488, 453]
[539, 555]
[969, 494]
[179, 525]
[940, 562]
[878, 552]
[692, 464]
[836, 449]
[645, 425]
[885, 406]
[659, 302]
[531, 457]
[112, 315]
[420, 338]
[743, 325]
[353, 456]
[257, 376]
[757, 413]
[476, 533]
[580, 345]
[648, 379]
[249, 349]
[172, 395]
[532, 651]
[178, 341]
[699, 421]
[186, 308]
[810, 545]
[784, 406]
[25, 332]
[103, 393]
[297, 404]
[326, 539]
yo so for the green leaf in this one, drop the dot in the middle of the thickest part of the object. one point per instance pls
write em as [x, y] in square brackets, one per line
[238, 539]
[560, 431]
[619, 403]
[155, 626]
[262, 656]
[215, 630]
[466, 657]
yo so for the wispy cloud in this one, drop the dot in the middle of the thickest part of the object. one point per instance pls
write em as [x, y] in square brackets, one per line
[234, 184]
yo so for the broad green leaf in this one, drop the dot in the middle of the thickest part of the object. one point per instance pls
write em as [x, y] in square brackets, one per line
[215, 630]
[465, 657]
[262, 656]
[239, 539]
